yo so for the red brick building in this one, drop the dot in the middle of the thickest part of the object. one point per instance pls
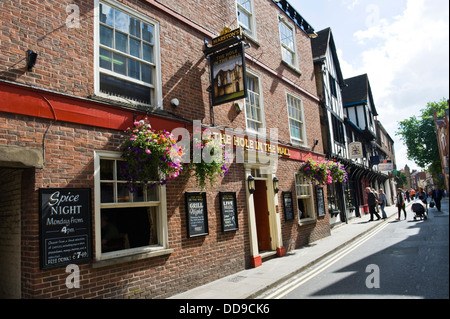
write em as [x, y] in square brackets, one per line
[100, 66]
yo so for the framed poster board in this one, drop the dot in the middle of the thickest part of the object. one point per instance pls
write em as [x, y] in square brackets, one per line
[196, 214]
[228, 211]
[320, 202]
[65, 229]
[288, 206]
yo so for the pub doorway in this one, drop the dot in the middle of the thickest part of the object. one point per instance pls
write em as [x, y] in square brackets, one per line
[262, 215]
[10, 232]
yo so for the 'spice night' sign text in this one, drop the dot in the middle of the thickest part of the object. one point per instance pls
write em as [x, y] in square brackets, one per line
[65, 226]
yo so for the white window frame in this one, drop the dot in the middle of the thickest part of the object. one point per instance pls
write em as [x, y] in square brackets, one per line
[261, 130]
[282, 21]
[251, 16]
[162, 225]
[295, 140]
[157, 85]
[305, 193]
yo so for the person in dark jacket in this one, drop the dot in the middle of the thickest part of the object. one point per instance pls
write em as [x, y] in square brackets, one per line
[436, 195]
[400, 203]
[372, 202]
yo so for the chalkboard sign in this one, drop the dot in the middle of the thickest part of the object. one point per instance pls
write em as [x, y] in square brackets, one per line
[65, 226]
[228, 210]
[320, 201]
[288, 206]
[197, 214]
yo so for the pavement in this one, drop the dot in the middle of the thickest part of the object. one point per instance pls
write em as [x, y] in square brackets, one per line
[250, 283]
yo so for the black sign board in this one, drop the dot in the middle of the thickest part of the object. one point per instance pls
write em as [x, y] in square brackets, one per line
[64, 226]
[228, 75]
[197, 214]
[320, 201]
[228, 210]
[288, 206]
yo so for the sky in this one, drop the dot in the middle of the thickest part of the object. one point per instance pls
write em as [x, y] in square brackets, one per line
[403, 46]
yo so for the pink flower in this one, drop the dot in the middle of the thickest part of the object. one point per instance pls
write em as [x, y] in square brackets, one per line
[148, 151]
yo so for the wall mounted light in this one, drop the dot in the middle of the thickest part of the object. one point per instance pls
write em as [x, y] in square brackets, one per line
[239, 107]
[276, 185]
[316, 142]
[175, 102]
[311, 33]
[251, 184]
[31, 59]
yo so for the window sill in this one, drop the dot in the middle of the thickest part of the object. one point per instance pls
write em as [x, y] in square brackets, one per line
[120, 259]
[307, 221]
[292, 68]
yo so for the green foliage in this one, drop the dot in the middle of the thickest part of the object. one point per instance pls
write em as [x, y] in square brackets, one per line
[419, 136]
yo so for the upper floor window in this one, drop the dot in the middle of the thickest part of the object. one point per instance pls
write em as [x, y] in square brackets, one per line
[246, 17]
[296, 123]
[127, 54]
[288, 46]
[333, 88]
[253, 104]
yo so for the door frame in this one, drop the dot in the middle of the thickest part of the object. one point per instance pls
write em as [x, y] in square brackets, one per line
[268, 172]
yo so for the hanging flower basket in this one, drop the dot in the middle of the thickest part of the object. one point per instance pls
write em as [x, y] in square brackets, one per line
[150, 157]
[323, 172]
[337, 172]
[208, 159]
[315, 173]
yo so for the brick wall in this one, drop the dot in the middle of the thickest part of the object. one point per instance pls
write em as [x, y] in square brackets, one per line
[69, 163]
[295, 236]
[65, 64]
[10, 195]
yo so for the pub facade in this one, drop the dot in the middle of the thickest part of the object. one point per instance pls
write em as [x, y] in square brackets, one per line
[78, 80]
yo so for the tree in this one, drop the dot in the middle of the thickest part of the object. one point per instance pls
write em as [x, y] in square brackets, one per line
[419, 136]
[402, 179]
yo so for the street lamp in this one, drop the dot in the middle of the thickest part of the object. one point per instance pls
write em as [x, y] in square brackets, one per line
[251, 184]
[276, 185]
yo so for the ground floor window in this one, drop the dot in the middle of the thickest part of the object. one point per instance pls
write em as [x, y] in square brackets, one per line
[305, 203]
[126, 222]
[125, 228]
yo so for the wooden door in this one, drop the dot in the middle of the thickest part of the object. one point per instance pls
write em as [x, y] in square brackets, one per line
[262, 215]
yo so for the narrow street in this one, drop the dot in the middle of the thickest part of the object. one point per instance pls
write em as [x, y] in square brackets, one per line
[398, 260]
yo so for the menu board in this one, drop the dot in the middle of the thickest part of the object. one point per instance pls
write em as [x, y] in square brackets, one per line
[65, 226]
[197, 214]
[228, 210]
[320, 201]
[288, 206]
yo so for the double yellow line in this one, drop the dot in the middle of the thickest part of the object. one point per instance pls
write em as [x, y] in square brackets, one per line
[283, 291]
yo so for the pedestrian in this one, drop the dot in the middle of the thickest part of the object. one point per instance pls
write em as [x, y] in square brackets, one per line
[382, 201]
[412, 194]
[422, 195]
[407, 196]
[372, 202]
[400, 203]
[437, 197]
[376, 199]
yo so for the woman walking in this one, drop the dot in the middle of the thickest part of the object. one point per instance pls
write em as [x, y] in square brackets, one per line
[382, 201]
[400, 203]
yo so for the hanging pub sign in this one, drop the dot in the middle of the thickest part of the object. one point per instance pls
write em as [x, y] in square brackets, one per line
[228, 75]
[228, 210]
[196, 214]
[355, 150]
[288, 206]
[227, 35]
[64, 226]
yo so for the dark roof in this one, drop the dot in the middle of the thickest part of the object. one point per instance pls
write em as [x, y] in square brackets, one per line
[357, 91]
[320, 46]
